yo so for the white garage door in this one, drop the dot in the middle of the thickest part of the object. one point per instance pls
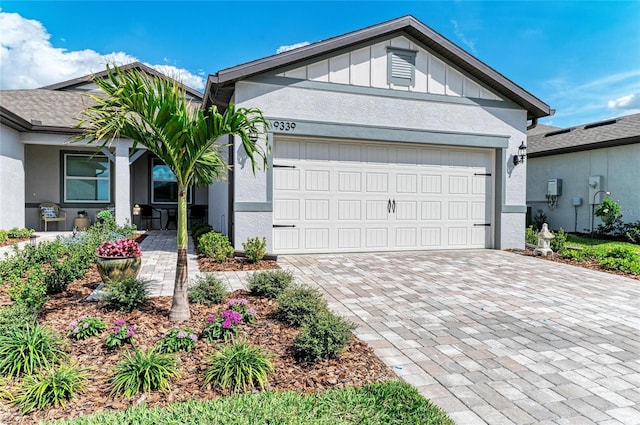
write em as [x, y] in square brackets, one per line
[334, 196]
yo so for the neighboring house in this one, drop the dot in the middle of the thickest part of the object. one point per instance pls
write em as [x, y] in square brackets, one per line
[38, 163]
[386, 138]
[589, 160]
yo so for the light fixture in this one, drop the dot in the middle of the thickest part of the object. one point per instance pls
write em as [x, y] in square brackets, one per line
[522, 154]
[136, 209]
[32, 239]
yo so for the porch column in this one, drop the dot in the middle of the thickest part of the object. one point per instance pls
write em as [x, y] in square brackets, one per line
[122, 181]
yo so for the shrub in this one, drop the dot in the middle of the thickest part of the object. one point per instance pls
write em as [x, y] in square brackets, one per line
[25, 350]
[238, 367]
[531, 236]
[17, 316]
[207, 289]
[59, 277]
[216, 246]
[30, 292]
[197, 226]
[86, 327]
[177, 339]
[120, 334]
[559, 242]
[4, 235]
[269, 283]
[19, 233]
[255, 249]
[52, 387]
[575, 254]
[225, 325]
[538, 220]
[323, 337]
[299, 304]
[125, 295]
[197, 233]
[622, 264]
[144, 371]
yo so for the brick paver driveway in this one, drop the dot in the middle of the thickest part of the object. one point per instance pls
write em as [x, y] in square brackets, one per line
[494, 337]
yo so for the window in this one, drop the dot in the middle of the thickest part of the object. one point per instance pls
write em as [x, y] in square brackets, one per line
[86, 178]
[401, 65]
[164, 187]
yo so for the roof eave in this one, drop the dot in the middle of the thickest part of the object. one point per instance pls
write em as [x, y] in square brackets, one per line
[586, 147]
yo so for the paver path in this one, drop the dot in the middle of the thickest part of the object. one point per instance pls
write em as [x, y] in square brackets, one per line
[494, 337]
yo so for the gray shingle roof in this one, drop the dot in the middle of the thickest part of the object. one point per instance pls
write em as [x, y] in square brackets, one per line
[612, 132]
[47, 108]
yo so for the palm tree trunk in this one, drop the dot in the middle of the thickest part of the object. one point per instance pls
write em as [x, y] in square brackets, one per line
[180, 306]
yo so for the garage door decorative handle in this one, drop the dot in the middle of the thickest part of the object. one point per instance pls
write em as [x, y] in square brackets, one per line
[284, 225]
[394, 205]
[389, 206]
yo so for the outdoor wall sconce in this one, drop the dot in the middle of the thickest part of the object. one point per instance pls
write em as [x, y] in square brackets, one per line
[136, 209]
[522, 154]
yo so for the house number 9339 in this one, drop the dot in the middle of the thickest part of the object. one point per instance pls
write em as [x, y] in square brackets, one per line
[284, 125]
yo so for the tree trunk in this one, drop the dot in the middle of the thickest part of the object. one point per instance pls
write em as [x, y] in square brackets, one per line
[180, 305]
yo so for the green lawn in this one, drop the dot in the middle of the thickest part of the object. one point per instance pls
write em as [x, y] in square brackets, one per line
[385, 403]
[612, 255]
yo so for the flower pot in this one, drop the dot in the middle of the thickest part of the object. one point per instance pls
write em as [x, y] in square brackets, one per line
[118, 268]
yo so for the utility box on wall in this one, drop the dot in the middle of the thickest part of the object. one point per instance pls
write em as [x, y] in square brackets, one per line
[595, 186]
[554, 187]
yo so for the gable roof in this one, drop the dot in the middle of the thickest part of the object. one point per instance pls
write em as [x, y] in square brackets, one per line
[602, 134]
[134, 65]
[220, 86]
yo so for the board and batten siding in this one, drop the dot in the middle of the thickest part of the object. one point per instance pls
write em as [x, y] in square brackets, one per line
[367, 67]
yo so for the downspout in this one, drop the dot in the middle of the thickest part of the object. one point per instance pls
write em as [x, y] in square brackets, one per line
[534, 124]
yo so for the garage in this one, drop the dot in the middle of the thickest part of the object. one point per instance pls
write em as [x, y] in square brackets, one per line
[344, 196]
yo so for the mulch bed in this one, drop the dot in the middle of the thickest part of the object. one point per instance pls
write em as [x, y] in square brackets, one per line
[12, 241]
[207, 264]
[589, 264]
[357, 365]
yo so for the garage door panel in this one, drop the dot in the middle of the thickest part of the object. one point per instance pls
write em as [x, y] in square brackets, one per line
[349, 238]
[316, 239]
[374, 197]
[378, 182]
[316, 180]
[377, 237]
[286, 179]
[286, 209]
[349, 181]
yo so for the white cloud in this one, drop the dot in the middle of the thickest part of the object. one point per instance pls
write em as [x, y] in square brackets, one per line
[470, 44]
[29, 60]
[630, 101]
[283, 49]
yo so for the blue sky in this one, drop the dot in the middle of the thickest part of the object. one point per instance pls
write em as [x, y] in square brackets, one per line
[580, 57]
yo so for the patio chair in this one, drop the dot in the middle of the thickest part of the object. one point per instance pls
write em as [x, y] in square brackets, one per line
[148, 213]
[50, 212]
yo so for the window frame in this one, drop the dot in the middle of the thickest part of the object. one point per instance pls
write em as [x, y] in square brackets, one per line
[152, 180]
[66, 178]
[399, 81]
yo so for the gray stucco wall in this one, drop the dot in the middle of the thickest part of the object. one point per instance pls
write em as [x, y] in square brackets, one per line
[12, 172]
[323, 105]
[619, 167]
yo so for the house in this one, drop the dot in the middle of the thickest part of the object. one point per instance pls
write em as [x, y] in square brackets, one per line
[387, 138]
[570, 170]
[38, 163]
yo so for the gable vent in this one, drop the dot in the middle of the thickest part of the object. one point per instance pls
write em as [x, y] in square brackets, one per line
[401, 66]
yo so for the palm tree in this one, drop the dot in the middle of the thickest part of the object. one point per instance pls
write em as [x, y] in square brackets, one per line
[155, 113]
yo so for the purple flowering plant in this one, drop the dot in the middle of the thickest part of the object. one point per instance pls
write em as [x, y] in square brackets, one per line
[120, 334]
[122, 248]
[222, 326]
[177, 339]
[241, 306]
[84, 327]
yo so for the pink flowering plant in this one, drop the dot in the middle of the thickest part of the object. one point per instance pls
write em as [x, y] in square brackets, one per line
[177, 339]
[85, 327]
[223, 326]
[120, 334]
[241, 306]
[122, 248]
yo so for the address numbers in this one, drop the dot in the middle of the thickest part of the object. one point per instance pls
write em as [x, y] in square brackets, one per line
[284, 125]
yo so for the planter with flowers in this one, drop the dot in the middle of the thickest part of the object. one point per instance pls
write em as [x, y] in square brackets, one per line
[118, 260]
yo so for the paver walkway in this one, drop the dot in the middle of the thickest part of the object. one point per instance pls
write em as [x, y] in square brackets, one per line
[494, 337]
